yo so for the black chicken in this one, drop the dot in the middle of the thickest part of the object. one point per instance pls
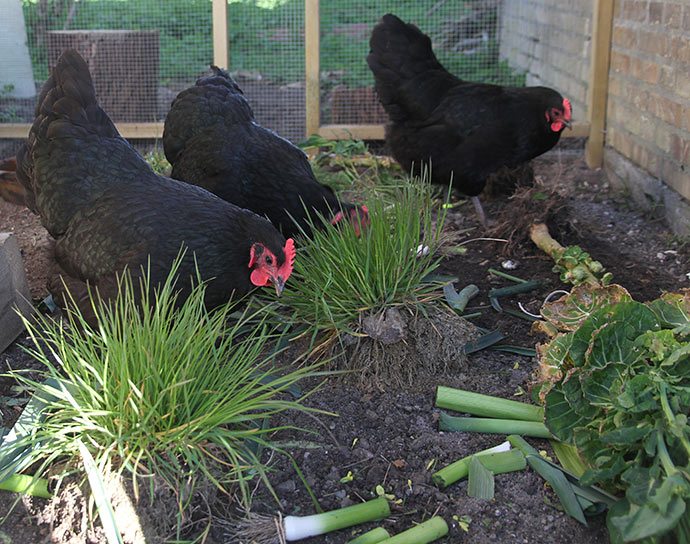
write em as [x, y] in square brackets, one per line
[461, 129]
[108, 210]
[212, 140]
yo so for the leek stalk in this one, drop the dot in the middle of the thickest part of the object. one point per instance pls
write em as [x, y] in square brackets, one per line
[372, 537]
[299, 527]
[493, 459]
[496, 426]
[423, 533]
[486, 406]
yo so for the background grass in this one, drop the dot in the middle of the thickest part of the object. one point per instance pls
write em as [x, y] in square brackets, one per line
[263, 35]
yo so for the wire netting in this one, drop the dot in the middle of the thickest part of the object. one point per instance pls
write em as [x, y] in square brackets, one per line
[143, 52]
[464, 37]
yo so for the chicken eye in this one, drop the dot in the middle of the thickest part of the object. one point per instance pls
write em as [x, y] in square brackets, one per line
[269, 260]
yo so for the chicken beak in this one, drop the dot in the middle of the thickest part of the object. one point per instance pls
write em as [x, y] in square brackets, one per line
[568, 124]
[279, 284]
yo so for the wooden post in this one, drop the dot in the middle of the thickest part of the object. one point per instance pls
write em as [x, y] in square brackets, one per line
[14, 290]
[312, 48]
[221, 54]
[602, 20]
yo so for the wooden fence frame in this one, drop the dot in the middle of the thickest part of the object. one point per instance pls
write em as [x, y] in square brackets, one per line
[593, 129]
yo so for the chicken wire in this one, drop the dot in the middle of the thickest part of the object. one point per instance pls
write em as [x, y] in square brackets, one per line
[464, 37]
[143, 52]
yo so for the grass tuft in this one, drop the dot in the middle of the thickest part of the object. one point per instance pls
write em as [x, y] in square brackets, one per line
[161, 387]
[338, 274]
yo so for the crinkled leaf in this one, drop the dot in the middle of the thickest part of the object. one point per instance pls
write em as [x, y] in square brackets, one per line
[627, 522]
[572, 389]
[603, 384]
[607, 469]
[559, 416]
[554, 357]
[626, 435]
[639, 394]
[569, 311]
[672, 309]
[613, 342]
[636, 316]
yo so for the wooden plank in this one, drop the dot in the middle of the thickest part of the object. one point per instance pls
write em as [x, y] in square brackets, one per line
[579, 130]
[14, 290]
[312, 48]
[598, 81]
[133, 131]
[343, 132]
[332, 132]
[377, 132]
[221, 52]
[127, 130]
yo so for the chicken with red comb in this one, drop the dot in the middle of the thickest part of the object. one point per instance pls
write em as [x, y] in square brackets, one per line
[109, 212]
[212, 140]
[462, 130]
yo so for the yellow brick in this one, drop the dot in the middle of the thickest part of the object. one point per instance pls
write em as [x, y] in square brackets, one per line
[680, 49]
[667, 110]
[672, 15]
[653, 42]
[644, 70]
[624, 37]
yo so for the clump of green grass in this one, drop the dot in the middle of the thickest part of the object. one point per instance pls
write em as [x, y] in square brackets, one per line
[158, 163]
[339, 274]
[159, 387]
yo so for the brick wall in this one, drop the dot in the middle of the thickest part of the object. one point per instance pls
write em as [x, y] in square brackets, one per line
[550, 40]
[648, 108]
[648, 116]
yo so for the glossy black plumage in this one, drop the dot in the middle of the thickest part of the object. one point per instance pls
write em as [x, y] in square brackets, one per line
[212, 140]
[107, 209]
[462, 128]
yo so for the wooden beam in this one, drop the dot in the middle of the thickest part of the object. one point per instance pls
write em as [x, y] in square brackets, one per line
[377, 132]
[140, 130]
[579, 130]
[14, 290]
[598, 81]
[127, 130]
[221, 53]
[343, 132]
[312, 48]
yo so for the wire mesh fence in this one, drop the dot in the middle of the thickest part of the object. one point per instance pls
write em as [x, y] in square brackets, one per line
[464, 37]
[143, 52]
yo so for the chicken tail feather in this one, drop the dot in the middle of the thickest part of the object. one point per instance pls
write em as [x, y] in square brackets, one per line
[409, 79]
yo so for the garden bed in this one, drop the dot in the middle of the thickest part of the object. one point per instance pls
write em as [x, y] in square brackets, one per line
[389, 437]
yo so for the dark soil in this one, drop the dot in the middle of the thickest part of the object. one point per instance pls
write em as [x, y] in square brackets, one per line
[389, 437]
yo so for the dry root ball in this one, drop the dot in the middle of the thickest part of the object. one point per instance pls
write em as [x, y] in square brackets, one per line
[529, 206]
[400, 346]
[508, 180]
[152, 518]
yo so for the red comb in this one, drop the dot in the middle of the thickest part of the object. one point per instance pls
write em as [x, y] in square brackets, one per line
[567, 110]
[290, 253]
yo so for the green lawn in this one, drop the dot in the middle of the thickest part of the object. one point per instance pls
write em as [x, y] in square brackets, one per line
[265, 35]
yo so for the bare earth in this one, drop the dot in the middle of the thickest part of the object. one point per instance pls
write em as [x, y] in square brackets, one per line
[390, 437]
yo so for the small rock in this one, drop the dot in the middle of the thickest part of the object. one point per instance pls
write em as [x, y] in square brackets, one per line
[288, 486]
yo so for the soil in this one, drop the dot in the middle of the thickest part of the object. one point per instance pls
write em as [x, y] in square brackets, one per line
[387, 435]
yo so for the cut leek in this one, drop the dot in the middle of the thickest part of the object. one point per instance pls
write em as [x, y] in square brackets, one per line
[299, 527]
[423, 533]
[495, 426]
[372, 537]
[498, 460]
[486, 406]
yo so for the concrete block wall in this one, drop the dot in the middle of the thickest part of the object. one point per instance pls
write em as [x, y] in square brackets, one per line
[648, 106]
[550, 40]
